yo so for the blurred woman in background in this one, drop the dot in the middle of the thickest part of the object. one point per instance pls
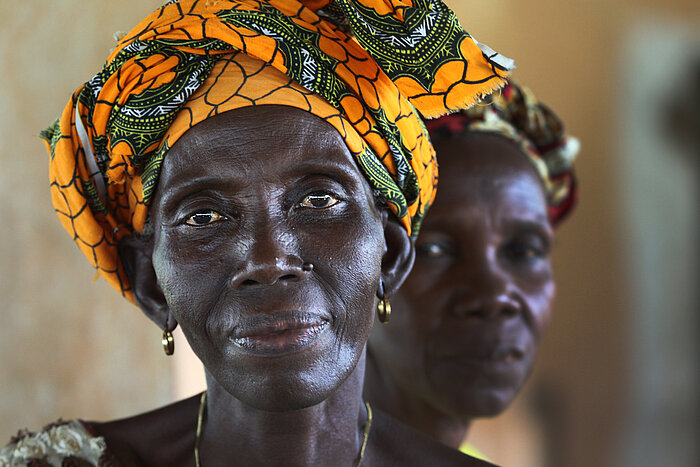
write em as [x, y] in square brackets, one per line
[467, 323]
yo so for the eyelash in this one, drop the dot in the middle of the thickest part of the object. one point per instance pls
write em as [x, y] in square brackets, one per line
[307, 203]
[430, 249]
[218, 218]
[525, 252]
[516, 251]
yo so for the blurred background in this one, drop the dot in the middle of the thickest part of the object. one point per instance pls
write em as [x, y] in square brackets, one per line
[618, 380]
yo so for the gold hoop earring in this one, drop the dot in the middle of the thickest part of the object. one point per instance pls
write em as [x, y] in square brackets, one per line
[384, 310]
[168, 343]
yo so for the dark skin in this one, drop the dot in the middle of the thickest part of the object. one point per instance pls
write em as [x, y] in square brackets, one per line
[467, 323]
[269, 250]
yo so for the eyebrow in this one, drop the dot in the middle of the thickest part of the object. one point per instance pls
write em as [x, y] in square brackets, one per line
[319, 166]
[325, 168]
[179, 192]
[540, 223]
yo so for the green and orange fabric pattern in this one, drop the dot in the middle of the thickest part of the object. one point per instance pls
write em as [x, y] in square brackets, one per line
[517, 114]
[368, 67]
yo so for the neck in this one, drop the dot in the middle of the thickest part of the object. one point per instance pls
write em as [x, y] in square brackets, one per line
[387, 395]
[328, 433]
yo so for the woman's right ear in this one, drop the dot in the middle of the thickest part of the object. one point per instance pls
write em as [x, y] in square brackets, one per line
[136, 253]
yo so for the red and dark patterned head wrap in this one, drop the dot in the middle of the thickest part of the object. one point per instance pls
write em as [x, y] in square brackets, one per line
[516, 114]
[366, 66]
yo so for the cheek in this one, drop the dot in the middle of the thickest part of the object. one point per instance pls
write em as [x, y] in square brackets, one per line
[402, 342]
[348, 268]
[416, 310]
[362, 281]
[425, 285]
[540, 302]
[188, 277]
[168, 270]
[197, 262]
[399, 347]
[413, 313]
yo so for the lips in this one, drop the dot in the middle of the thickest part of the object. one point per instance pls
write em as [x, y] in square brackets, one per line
[490, 360]
[482, 345]
[278, 333]
[496, 355]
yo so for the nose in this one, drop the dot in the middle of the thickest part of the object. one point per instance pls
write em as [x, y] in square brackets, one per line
[271, 259]
[486, 306]
[486, 293]
[271, 270]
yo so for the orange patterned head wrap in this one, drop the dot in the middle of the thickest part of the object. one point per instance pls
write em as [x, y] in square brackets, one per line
[365, 66]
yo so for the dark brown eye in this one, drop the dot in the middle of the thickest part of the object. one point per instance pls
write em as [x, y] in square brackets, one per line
[318, 201]
[524, 252]
[203, 218]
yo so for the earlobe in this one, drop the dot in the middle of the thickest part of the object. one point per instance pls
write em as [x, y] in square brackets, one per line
[136, 254]
[397, 261]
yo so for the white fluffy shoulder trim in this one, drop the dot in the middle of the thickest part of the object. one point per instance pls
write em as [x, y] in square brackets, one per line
[54, 444]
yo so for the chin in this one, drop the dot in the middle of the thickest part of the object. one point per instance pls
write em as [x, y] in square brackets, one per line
[466, 403]
[283, 390]
[491, 403]
[474, 391]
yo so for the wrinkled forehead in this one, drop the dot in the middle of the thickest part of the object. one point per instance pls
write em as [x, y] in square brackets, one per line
[258, 137]
[481, 154]
[252, 152]
[485, 171]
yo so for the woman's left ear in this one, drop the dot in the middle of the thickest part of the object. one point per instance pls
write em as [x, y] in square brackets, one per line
[397, 261]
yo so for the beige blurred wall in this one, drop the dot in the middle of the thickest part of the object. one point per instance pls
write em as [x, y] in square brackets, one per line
[69, 347]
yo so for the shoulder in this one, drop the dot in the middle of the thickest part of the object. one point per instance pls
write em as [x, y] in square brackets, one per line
[164, 436]
[69, 443]
[400, 445]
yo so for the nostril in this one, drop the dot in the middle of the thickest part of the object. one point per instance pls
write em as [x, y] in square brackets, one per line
[468, 310]
[282, 278]
[472, 312]
[501, 307]
[271, 271]
[509, 311]
[289, 277]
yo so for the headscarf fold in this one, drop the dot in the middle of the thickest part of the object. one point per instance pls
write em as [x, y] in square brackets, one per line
[371, 63]
[518, 115]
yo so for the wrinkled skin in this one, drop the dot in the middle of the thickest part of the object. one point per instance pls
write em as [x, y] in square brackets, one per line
[467, 323]
[267, 243]
[270, 252]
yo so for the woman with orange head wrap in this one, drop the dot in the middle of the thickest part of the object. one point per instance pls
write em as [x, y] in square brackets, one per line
[254, 171]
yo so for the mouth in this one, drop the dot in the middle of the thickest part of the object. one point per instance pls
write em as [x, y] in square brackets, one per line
[498, 357]
[278, 333]
[503, 355]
